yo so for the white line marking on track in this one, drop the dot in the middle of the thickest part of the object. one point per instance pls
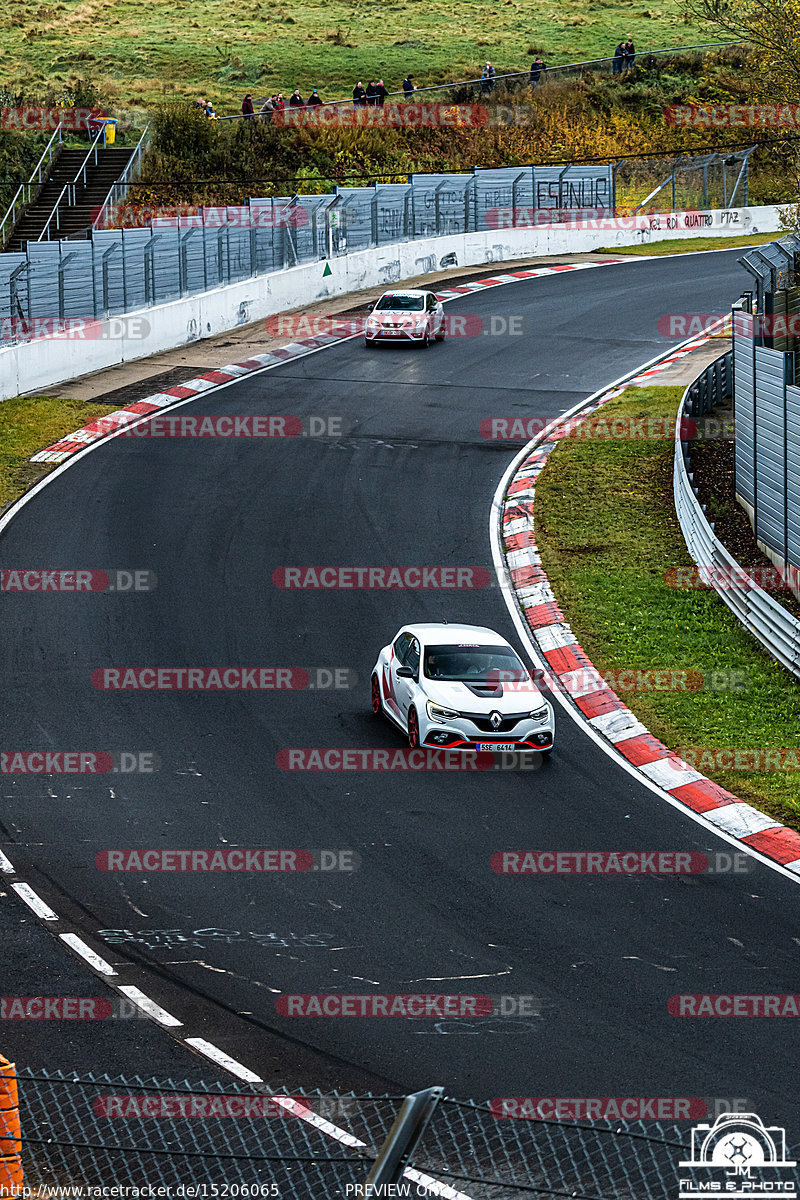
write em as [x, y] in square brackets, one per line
[223, 1060]
[86, 952]
[6, 865]
[150, 1007]
[34, 902]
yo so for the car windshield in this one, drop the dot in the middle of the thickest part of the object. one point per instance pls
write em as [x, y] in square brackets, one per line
[400, 304]
[469, 663]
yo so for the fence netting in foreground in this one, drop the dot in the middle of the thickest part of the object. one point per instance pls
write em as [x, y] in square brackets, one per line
[99, 1131]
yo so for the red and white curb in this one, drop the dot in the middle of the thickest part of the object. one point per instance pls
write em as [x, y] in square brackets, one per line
[576, 681]
[103, 427]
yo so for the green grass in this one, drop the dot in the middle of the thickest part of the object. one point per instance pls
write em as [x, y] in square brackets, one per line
[684, 245]
[142, 52]
[28, 424]
[607, 532]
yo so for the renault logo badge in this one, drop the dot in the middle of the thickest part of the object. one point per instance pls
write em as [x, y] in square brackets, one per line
[495, 720]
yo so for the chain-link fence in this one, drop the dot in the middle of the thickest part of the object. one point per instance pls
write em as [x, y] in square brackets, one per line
[122, 269]
[97, 1131]
[174, 253]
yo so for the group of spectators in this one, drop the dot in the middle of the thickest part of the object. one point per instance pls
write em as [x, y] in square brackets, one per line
[624, 57]
[276, 103]
[375, 93]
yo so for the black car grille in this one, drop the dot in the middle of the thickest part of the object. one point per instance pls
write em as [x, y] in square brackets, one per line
[506, 725]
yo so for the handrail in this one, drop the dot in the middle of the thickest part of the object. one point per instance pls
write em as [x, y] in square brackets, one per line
[37, 170]
[101, 133]
[55, 213]
[589, 62]
[71, 187]
[123, 183]
[24, 189]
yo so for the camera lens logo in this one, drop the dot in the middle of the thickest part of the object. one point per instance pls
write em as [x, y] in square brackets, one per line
[739, 1156]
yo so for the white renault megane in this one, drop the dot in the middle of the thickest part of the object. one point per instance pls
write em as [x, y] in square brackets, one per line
[460, 687]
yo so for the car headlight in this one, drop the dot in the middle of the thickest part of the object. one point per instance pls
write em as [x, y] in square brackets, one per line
[372, 323]
[540, 714]
[437, 713]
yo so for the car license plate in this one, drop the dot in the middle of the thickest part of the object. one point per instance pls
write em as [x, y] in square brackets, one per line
[497, 746]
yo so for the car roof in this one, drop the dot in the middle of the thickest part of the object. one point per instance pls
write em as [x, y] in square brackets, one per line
[406, 292]
[455, 635]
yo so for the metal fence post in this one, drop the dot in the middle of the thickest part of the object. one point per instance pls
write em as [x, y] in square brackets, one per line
[788, 378]
[106, 255]
[150, 275]
[62, 262]
[13, 291]
[409, 1126]
[183, 263]
[253, 241]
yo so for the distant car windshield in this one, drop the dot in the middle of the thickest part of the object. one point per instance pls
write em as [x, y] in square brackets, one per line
[400, 304]
[467, 663]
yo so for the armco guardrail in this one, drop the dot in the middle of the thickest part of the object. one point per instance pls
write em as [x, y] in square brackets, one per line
[768, 621]
[711, 387]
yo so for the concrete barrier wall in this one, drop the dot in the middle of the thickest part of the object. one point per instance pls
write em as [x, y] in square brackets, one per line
[38, 365]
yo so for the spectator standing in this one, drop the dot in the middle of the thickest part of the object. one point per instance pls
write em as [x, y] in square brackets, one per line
[267, 108]
[409, 87]
[487, 79]
[201, 104]
[630, 54]
[537, 66]
[296, 100]
[380, 93]
[359, 95]
[247, 106]
[371, 97]
[212, 116]
[619, 58]
[280, 103]
[314, 98]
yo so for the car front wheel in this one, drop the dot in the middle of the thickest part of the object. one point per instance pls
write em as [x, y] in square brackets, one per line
[413, 729]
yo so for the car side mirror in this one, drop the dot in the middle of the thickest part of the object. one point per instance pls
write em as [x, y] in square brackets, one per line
[406, 673]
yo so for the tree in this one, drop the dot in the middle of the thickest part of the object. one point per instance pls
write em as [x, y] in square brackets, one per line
[772, 27]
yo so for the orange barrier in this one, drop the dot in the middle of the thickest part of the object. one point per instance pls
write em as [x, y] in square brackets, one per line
[11, 1180]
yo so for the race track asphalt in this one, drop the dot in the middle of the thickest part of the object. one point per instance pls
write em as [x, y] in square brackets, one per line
[409, 482]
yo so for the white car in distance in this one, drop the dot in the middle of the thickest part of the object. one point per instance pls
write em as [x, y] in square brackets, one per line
[406, 316]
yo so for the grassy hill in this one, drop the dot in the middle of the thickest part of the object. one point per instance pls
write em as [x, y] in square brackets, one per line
[138, 52]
